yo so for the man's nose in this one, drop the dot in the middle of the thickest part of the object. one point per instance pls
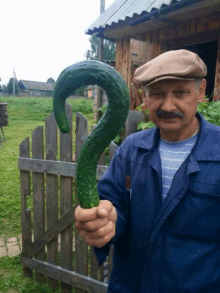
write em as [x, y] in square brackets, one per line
[168, 105]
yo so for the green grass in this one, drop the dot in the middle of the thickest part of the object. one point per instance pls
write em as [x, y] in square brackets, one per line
[25, 114]
[13, 281]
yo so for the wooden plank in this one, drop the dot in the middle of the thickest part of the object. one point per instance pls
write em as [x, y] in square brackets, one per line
[25, 190]
[214, 21]
[163, 34]
[133, 119]
[38, 195]
[216, 95]
[118, 56]
[202, 24]
[66, 201]
[112, 149]
[126, 61]
[81, 248]
[110, 262]
[52, 232]
[171, 32]
[192, 27]
[202, 37]
[54, 167]
[182, 30]
[51, 192]
[155, 44]
[69, 277]
[96, 272]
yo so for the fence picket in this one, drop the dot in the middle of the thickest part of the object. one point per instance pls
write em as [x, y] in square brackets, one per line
[38, 195]
[51, 193]
[133, 119]
[66, 202]
[25, 191]
[81, 248]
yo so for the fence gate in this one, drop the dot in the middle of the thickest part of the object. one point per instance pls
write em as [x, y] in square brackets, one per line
[54, 252]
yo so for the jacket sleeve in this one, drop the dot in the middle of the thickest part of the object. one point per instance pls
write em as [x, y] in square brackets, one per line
[112, 187]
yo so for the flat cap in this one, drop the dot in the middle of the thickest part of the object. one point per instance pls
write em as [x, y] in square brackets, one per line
[175, 64]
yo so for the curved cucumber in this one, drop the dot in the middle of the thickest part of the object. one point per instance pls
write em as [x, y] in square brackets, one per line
[92, 73]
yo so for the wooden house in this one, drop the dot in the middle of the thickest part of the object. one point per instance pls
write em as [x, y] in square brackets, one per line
[30, 88]
[143, 29]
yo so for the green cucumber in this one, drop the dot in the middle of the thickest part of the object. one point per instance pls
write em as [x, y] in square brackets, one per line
[70, 79]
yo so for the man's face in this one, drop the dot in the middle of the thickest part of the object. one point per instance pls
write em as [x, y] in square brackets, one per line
[172, 104]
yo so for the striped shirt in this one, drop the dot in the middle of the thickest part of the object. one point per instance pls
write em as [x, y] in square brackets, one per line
[172, 155]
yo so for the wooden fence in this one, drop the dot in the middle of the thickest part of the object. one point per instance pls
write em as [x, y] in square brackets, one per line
[54, 252]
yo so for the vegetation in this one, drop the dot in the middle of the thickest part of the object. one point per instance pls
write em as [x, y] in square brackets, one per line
[13, 281]
[51, 80]
[108, 49]
[10, 86]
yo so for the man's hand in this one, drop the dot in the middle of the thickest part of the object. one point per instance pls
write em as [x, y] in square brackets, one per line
[96, 225]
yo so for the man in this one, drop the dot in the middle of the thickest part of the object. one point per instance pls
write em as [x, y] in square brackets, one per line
[160, 197]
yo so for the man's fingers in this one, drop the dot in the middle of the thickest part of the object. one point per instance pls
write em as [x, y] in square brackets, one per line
[102, 241]
[104, 208]
[94, 225]
[101, 232]
[84, 215]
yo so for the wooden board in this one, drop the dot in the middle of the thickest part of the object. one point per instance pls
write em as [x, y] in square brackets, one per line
[51, 193]
[25, 191]
[81, 248]
[38, 195]
[54, 167]
[66, 200]
[68, 277]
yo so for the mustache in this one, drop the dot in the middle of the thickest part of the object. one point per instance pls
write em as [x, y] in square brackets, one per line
[163, 114]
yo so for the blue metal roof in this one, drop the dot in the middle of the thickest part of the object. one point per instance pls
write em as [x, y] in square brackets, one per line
[122, 12]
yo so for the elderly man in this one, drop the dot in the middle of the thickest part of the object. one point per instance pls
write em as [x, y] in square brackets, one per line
[160, 197]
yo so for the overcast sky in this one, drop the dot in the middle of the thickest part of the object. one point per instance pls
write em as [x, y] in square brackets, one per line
[41, 38]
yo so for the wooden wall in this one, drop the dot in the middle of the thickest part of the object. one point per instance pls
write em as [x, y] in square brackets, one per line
[170, 37]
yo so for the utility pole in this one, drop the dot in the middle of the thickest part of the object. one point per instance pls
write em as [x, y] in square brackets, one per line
[99, 90]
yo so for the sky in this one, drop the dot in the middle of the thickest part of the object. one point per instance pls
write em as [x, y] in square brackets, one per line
[41, 38]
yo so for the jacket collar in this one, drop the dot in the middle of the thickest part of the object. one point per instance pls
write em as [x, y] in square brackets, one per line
[206, 148]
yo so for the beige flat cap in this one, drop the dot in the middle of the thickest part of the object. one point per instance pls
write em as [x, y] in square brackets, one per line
[176, 64]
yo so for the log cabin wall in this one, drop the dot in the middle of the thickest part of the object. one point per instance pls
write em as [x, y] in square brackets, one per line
[170, 37]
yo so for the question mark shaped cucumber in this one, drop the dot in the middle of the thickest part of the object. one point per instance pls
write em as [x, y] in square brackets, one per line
[92, 73]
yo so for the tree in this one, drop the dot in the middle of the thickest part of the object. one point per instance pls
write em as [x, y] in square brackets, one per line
[108, 49]
[4, 89]
[10, 86]
[51, 80]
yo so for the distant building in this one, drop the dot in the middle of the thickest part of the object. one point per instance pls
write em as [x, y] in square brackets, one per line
[28, 88]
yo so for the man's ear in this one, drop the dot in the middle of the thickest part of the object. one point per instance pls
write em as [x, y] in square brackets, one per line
[201, 91]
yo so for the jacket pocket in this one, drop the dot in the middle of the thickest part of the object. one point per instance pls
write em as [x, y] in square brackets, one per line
[198, 213]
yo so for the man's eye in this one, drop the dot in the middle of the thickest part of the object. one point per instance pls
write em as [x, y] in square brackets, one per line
[180, 92]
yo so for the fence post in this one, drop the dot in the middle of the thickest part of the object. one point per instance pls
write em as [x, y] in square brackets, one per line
[25, 221]
[81, 248]
[38, 195]
[51, 193]
[66, 200]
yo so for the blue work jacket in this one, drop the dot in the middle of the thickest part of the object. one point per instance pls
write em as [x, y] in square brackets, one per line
[171, 246]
